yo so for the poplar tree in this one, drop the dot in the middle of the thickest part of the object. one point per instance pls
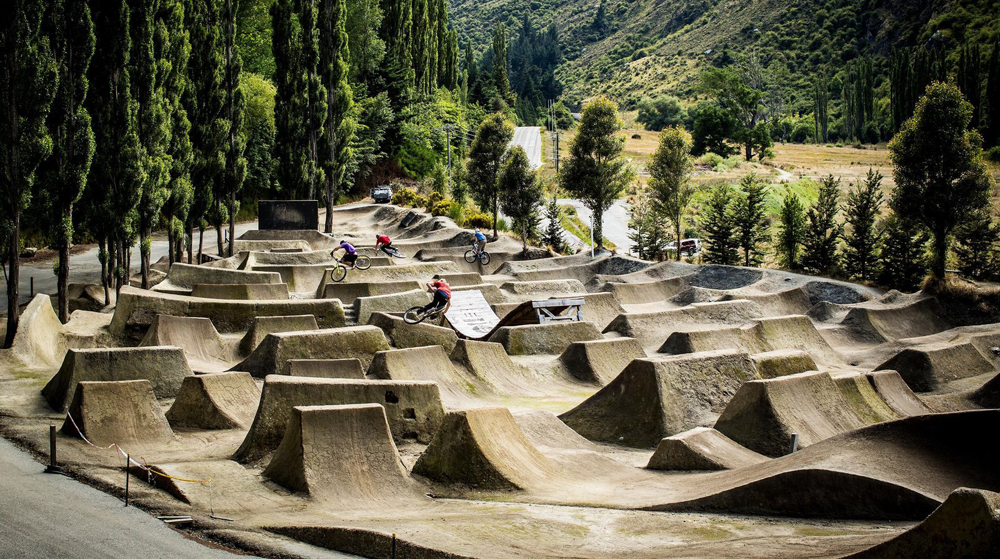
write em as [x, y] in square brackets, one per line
[315, 95]
[823, 231]
[821, 102]
[500, 78]
[152, 127]
[64, 176]
[595, 172]
[520, 193]
[750, 219]
[340, 125]
[205, 101]
[863, 238]
[669, 177]
[28, 80]
[486, 160]
[289, 101]
[397, 30]
[118, 160]
[420, 37]
[234, 111]
[992, 112]
[969, 79]
[938, 166]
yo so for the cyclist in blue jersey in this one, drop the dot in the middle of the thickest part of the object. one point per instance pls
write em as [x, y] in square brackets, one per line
[480, 241]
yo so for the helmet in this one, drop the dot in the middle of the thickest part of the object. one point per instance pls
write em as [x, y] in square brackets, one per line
[477, 229]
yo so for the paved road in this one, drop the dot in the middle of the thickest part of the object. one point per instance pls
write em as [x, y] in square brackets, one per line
[46, 516]
[615, 221]
[86, 268]
[529, 138]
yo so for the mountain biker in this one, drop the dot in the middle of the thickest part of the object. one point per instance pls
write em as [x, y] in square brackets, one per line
[385, 243]
[442, 296]
[350, 253]
[480, 241]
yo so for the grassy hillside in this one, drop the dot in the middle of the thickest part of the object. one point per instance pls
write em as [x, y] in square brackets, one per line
[650, 46]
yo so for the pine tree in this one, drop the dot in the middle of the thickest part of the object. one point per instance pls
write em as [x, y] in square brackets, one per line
[234, 109]
[28, 80]
[153, 127]
[823, 232]
[340, 124]
[646, 228]
[792, 231]
[719, 225]
[486, 161]
[863, 239]
[904, 260]
[669, 177]
[553, 237]
[750, 219]
[289, 101]
[64, 176]
[205, 100]
[976, 241]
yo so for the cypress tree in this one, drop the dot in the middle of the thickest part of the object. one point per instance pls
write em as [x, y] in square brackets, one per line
[289, 101]
[205, 101]
[28, 80]
[750, 219]
[173, 32]
[118, 160]
[340, 124]
[863, 238]
[64, 176]
[720, 228]
[153, 126]
[823, 232]
[315, 95]
[234, 111]
[792, 231]
[992, 135]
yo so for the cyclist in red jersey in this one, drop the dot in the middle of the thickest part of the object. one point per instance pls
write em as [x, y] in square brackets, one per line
[384, 243]
[442, 296]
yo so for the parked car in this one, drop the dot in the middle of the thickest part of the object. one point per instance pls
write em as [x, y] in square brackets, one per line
[690, 247]
[382, 194]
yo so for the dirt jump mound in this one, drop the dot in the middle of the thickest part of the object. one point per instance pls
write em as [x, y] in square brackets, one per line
[702, 448]
[215, 401]
[360, 342]
[123, 412]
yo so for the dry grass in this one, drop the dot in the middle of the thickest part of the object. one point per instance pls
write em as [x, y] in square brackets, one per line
[965, 301]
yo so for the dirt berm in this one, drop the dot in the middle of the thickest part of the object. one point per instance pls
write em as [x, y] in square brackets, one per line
[361, 342]
[123, 412]
[324, 368]
[484, 448]
[701, 448]
[137, 307]
[652, 328]
[896, 394]
[245, 292]
[764, 413]
[413, 408]
[929, 367]
[204, 348]
[164, 367]
[403, 335]
[551, 338]
[600, 361]
[264, 325]
[965, 526]
[215, 401]
[657, 397]
[38, 342]
[340, 453]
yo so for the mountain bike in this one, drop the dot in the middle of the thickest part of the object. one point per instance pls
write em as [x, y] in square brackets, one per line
[472, 254]
[416, 315]
[339, 272]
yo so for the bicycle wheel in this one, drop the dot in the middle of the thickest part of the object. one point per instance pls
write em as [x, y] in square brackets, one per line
[484, 258]
[363, 262]
[470, 256]
[414, 315]
[338, 273]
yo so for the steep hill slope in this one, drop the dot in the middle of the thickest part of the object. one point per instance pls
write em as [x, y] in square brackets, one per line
[642, 47]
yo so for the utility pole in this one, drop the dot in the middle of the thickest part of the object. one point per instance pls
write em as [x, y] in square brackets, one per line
[447, 133]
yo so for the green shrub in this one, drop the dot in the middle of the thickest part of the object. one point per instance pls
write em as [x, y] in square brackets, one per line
[432, 200]
[455, 213]
[502, 225]
[419, 201]
[993, 154]
[441, 208]
[478, 219]
[403, 197]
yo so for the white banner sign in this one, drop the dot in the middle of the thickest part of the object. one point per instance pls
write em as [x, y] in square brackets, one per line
[470, 314]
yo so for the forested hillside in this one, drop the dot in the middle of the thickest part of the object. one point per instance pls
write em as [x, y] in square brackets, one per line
[634, 49]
